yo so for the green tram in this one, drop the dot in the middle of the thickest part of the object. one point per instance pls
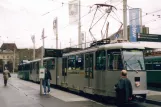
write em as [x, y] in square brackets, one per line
[153, 67]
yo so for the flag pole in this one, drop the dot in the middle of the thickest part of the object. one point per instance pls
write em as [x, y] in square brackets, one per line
[79, 27]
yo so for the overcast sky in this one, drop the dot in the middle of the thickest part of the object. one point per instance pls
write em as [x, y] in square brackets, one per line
[19, 19]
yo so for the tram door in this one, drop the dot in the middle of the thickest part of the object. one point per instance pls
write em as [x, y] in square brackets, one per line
[89, 68]
[64, 69]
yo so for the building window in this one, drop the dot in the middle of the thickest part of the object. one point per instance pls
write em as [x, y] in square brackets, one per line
[3, 57]
[7, 56]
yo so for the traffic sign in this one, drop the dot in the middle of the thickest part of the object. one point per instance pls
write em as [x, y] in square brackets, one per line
[53, 53]
[42, 73]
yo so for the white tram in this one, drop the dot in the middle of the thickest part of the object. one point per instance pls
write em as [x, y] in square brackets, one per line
[96, 70]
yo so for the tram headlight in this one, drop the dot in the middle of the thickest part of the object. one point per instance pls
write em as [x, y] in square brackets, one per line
[137, 84]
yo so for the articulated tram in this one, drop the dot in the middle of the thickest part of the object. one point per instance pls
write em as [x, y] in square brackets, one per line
[96, 70]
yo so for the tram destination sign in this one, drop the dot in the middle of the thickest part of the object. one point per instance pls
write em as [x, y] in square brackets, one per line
[148, 37]
[53, 53]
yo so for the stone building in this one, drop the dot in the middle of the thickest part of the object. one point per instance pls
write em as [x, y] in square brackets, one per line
[7, 53]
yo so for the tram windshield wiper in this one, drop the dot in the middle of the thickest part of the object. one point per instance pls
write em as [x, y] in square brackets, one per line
[133, 60]
[130, 66]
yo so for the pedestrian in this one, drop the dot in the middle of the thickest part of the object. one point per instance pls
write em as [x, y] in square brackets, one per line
[46, 81]
[6, 75]
[123, 90]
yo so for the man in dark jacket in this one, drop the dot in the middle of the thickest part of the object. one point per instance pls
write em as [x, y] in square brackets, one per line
[123, 89]
[46, 81]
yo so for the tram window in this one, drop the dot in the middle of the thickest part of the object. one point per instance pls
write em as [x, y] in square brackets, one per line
[37, 68]
[51, 64]
[114, 61]
[156, 66]
[28, 67]
[71, 62]
[79, 62]
[31, 67]
[20, 68]
[64, 67]
[100, 60]
[34, 66]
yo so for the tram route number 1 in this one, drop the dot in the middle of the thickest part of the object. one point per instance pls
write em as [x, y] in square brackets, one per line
[42, 73]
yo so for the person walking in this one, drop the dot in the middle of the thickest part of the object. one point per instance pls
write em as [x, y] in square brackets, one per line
[6, 75]
[123, 90]
[46, 81]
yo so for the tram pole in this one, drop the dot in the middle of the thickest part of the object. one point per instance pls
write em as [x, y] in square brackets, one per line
[125, 19]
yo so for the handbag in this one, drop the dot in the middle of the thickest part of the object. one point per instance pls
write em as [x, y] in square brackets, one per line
[9, 75]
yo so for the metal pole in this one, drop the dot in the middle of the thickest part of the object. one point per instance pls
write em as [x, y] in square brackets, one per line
[60, 45]
[42, 54]
[14, 60]
[141, 27]
[125, 19]
[79, 27]
[70, 42]
[34, 51]
[85, 40]
[56, 33]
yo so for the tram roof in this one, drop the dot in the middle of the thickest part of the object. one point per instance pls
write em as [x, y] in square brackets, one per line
[151, 45]
[153, 57]
[125, 45]
[46, 58]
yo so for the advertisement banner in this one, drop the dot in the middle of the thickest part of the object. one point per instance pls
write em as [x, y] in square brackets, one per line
[134, 20]
[73, 11]
[55, 24]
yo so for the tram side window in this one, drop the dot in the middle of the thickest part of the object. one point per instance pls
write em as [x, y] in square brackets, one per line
[20, 68]
[27, 67]
[156, 65]
[31, 68]
[37, 67]
[114, 61]
[149, 65]
[79, 62]
[71, 62]
[51, 64]
[101, 60]
[34, 67]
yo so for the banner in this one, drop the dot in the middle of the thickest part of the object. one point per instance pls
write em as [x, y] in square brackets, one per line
[33, 38]
[55, 25]
[42, 34]
[82, 36]
[134, 20]
[73, 11]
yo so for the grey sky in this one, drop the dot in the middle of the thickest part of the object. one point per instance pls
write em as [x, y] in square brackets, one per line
[19, 19]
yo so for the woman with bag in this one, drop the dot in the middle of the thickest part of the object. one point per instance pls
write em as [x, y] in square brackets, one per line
[6, 75]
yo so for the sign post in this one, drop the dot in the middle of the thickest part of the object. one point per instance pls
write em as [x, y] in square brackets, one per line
[42, 54]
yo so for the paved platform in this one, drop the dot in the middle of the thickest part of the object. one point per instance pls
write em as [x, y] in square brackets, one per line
[154, 97]
[20, 93]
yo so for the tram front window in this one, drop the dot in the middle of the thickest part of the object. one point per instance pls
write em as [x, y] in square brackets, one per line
[133, 60]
